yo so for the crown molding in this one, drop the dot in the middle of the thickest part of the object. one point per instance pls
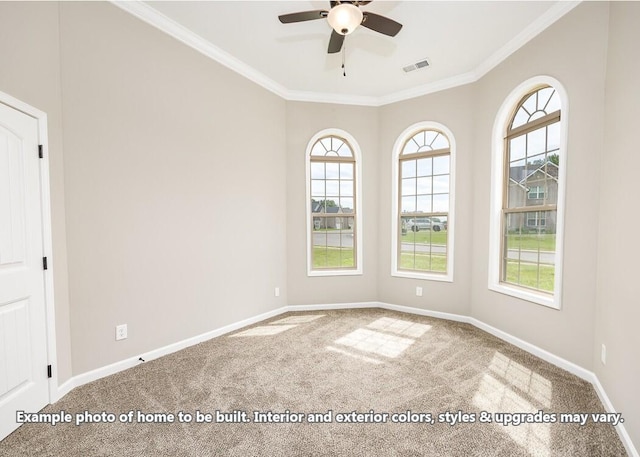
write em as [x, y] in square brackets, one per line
[153, 17]
[527, 34]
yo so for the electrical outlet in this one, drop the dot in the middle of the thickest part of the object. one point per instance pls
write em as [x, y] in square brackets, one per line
[419, 291]
[276, 292]
[121, 332]
[603, 354]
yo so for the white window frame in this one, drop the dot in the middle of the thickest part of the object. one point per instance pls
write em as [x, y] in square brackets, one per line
[395, 160]
[357, 155]
[503, 117]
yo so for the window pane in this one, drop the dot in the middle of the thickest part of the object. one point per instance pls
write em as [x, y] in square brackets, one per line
[429, 138]
[521, 118]
[517, 148]
[409, 186]
[530, 104]
[346, 188]
[317, 188]
[423, 186]
[441, 184]
[408, 204]
[408, 168]
[441, 165]
[553, 136]
[410, 147]
[440, 142]
[543, 98]
[333, 190]
[425, 166]
[317, 170]
[536, 141]
[441, 203]
[332, 170]
[554, 103]
[346, 171]
[318, 150]
[424, 204]
[346, 205]
[421, 248]
[529, 249]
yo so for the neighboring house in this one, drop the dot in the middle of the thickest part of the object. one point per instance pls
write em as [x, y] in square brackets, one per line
[533, 187]
[319, 207]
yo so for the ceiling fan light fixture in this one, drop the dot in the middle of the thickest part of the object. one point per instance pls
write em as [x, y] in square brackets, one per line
[344, 18]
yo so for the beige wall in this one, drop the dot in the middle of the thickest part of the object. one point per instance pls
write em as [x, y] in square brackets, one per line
[573, 51]
[618, 312]
[175, 174]
[30, 72]
[453, 109]
[303, 121]
[183, 185]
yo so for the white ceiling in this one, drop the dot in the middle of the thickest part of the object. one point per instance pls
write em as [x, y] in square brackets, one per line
[461, 40]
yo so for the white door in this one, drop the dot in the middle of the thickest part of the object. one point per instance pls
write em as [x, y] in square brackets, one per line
[23, 342]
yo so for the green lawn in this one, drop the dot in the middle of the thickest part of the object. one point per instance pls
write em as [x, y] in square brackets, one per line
[332, 257]
[423, 262]
[532, 242]
[425, 237]
[528, 275]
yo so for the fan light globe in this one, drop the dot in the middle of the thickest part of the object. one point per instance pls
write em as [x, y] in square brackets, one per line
[344, 18]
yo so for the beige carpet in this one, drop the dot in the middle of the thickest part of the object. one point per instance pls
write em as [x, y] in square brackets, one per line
[343, 361]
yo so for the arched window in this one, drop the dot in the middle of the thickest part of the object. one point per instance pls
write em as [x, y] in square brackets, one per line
[527, 233]
[423, 173]
[333, 207]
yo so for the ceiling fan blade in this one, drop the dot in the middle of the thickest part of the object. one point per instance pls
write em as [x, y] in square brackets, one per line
[335, 42]
[381, 24]
[302, 16]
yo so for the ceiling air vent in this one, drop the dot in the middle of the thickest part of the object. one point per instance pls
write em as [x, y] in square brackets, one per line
[424, 63]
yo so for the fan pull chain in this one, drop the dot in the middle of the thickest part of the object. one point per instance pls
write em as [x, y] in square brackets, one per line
[344, 50]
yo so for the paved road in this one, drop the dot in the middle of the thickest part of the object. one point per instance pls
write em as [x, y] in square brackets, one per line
[333, 239]
[337, 239]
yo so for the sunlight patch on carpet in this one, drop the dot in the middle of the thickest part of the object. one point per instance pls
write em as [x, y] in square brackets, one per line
[512, 388]
[264, 330]
[375, 342]
[364, 358]
[522, 378]
[400, 327]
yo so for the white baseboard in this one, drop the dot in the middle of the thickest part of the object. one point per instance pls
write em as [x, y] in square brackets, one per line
[130, 362]
[622, 431]
[571, 367]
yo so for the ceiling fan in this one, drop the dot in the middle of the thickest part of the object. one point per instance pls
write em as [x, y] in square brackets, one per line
[344, 17]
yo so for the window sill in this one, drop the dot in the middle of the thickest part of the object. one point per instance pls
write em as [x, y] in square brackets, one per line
[423, 276]
[321, 273]
[550, 301]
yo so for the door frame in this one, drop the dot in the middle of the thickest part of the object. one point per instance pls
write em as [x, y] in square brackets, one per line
[47, 241]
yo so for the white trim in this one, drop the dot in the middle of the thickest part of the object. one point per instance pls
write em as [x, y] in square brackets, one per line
[153, 17]
[497, 176]
[397, 150]
[47, 243]
[527, 34]
[338, 99]
[355, 148]
[582, 373]
[430, 88]
[620, 428]
[171, 348]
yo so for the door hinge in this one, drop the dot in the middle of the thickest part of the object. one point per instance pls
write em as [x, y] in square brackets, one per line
[49, 375]
[40, 151]
[44, 263]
